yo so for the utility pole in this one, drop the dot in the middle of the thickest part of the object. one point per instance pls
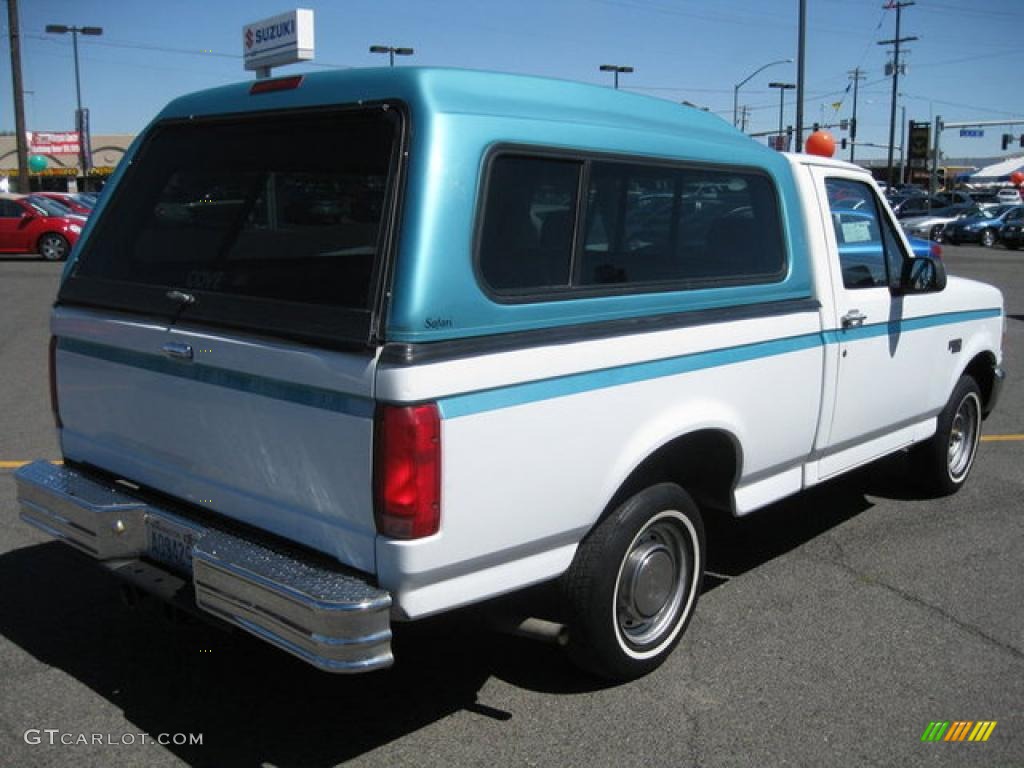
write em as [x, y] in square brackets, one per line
[19, 96]
[800, 78]
[856, 76]
[744, 113]
[895, 42]
[903, 144]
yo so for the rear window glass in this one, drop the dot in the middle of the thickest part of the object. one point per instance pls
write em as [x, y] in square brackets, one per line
[286, 209]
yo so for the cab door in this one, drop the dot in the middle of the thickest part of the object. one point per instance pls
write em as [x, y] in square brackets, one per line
[12, 227]
[883, 365]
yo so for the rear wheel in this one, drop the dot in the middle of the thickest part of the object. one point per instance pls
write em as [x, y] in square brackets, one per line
[634, 583]
[935, 235]
[988, 238]
[53, 247]
[945, 460]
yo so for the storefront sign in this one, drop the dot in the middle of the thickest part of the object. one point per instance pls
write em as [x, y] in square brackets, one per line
[53, 143]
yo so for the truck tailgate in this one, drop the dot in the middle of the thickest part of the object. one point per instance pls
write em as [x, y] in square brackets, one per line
[275, 435]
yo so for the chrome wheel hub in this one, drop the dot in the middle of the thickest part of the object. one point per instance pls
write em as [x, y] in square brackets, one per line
[963, 437]
[653, 584]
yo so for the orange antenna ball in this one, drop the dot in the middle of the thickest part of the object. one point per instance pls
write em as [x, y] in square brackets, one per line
[1017, 178]
[821, 143]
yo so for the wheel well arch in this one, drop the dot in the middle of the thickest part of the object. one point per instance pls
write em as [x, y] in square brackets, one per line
[705, 462]
[982, 370]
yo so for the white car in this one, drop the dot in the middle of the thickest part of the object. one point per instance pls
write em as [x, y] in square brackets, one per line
[930, 227]
[1008, 196]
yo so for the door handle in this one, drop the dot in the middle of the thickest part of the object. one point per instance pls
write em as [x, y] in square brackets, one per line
[854, 319]
[177, 350]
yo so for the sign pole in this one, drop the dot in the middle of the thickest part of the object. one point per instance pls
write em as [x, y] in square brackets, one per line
[933, 176]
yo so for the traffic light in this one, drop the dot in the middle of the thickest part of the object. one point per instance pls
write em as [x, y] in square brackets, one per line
[1007, 138]
[1022, 139]
[843, 143]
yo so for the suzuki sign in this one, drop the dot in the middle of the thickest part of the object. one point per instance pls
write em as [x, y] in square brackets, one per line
[283, 39]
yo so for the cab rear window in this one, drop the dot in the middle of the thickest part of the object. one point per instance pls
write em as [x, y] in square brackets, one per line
[271, 223]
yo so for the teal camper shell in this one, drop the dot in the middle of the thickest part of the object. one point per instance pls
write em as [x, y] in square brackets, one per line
[452, 123]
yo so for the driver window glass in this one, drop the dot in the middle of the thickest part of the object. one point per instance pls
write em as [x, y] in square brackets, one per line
[10, 210]
[867, 246]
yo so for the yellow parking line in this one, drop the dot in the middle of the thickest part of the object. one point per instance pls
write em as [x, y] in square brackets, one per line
[1001, 438]
[19, 464]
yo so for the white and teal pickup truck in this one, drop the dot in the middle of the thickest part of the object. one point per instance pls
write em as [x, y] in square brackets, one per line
[492, 332]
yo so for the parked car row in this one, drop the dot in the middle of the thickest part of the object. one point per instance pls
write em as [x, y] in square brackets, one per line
[981, 228]
[38, 224]
[985, 225]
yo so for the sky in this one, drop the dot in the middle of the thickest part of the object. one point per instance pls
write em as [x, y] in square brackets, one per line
[967, 64]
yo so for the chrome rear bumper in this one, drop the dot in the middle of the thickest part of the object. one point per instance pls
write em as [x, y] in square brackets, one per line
[330, 617]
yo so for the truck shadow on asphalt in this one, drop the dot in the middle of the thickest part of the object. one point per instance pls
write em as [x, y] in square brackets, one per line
[254, 704]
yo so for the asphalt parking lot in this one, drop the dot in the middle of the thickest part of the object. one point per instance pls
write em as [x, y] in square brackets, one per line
[834, 628]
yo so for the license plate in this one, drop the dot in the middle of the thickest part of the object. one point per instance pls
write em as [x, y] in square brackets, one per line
[170, 544]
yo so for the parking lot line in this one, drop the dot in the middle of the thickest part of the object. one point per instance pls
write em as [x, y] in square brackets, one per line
[1001, 438]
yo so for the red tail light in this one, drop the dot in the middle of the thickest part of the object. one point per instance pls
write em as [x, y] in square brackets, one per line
[936, 251]
[408, 471]
[54, 406]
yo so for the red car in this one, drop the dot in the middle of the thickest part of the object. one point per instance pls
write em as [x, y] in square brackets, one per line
[35, 227]
[77, 203]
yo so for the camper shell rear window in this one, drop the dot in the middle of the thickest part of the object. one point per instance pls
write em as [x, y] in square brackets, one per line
[272, 223]
[556, 226]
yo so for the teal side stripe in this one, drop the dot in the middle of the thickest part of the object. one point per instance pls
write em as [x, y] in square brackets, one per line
[913, 324]
[276, 389]
[519, 394]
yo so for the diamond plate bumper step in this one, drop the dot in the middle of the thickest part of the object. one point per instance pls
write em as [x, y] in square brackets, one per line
[330, 617]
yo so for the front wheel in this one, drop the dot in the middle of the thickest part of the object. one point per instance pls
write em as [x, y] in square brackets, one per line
[988, 238]
[945, 460]
[634, 583]
[53, 247]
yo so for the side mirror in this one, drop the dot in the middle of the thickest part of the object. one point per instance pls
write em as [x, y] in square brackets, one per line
[922, 274]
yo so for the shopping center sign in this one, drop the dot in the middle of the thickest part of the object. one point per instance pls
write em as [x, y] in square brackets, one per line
[283, 39]
[53, 143]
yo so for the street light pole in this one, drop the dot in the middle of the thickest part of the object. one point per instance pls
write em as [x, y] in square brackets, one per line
[391, 51]
[80, 121]
[616, 69]
[783, 87]
[744, 81]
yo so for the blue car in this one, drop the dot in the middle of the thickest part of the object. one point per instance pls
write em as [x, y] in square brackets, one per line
[983, 228]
